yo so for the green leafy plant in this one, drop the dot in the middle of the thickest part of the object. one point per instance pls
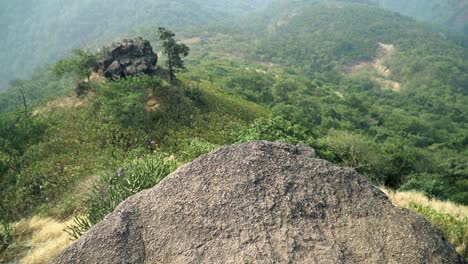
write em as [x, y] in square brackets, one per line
[133, 177]
[79, 66]
[356, 151]
[80, 225]
[6, 236]
[274, 129]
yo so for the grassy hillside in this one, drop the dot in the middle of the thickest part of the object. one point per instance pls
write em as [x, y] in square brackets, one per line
[68, 141]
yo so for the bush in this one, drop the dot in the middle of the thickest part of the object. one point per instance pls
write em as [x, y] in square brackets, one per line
[135, 176]
[274, 129]
[6, 236]
[123, 101]
[188, 149]
[356, 151]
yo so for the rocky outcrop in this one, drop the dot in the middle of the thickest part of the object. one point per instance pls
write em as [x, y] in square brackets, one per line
[261, 202]
[128, 58]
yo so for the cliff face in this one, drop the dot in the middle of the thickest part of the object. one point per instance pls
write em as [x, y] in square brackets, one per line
[261, 202]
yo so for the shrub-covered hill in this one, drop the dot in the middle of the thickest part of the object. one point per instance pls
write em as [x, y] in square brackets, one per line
[448, 14]
[53, 154]
[326, 37]
[395, 88]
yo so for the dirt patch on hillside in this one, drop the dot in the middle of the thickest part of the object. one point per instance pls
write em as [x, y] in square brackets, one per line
[381, 72]
[152, 103]
[274, 25]
[61, 103]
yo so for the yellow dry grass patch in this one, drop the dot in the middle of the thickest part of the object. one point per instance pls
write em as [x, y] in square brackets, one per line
[70, 101]
[151, 104]
[47, 239]
[403, 199]
[66, 102]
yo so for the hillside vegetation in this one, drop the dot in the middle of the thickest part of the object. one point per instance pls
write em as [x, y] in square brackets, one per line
[301, 72]
[412, 138]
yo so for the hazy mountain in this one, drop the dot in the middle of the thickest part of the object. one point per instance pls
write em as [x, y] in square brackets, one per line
[35, 33]
[450, 13]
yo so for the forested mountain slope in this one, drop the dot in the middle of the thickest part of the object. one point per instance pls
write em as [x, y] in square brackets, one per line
[426, 115]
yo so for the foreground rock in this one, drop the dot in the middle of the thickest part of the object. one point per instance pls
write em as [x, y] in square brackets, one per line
[128, 58]
[261, 203]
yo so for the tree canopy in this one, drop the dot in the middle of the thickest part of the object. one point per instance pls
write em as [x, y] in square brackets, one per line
[173, 50]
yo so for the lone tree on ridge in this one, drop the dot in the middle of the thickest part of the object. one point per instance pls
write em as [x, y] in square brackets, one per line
[173, 50]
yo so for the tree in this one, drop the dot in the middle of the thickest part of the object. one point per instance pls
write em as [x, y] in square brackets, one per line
[79, 67]
[173, 50]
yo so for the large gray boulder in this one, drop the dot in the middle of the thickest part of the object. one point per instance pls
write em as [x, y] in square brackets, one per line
[261, 202]
[128, 58]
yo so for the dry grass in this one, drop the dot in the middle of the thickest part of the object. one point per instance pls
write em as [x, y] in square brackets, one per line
[70, 101]
[403, 199]
[47, 239]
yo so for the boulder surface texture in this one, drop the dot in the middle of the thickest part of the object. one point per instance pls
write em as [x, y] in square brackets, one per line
[128, 58]
[261, 202]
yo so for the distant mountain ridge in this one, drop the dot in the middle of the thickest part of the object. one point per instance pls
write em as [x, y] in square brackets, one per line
[450, 13]
[35, 33]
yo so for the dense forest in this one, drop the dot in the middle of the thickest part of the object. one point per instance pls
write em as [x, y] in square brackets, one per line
[406, 102]
[366, 88]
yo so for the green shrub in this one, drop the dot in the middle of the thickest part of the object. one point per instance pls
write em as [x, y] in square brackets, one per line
[356, 151]
[135, 176]
[6, 236]
[188, 149]
[274, 129]
[455, 230]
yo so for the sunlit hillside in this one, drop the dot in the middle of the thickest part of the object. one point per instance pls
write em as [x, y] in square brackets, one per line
[86, 122]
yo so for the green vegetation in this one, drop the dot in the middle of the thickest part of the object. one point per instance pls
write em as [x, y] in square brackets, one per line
[133, 177]
[6, 236]
[413, 137]
[79, 68]
[69, 143]
[449, 13]
[291, 73]
[173, 50]
[455, 229]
